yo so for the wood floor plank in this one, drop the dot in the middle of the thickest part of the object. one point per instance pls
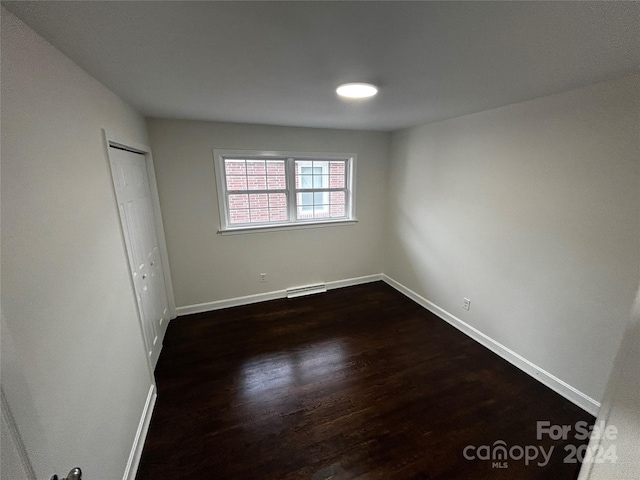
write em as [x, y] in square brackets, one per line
[355, 383]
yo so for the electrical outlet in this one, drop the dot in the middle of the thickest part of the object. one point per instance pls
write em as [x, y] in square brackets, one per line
[466, 303]
[263, 278]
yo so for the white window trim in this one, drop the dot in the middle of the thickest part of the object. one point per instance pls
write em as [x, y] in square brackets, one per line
[226, 229]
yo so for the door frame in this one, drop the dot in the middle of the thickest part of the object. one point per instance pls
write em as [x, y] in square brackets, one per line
[118, 141]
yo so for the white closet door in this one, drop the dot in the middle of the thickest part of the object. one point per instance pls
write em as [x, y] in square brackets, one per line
[133, 194]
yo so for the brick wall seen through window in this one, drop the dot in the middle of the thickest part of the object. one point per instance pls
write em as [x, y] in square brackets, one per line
[260, 190]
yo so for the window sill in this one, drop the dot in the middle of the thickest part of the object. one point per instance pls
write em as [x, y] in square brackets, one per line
[295, 226]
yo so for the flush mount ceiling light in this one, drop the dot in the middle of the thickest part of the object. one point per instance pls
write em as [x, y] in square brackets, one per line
[356, 90]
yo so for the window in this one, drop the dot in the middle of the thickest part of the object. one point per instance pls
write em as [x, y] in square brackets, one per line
[282, 189]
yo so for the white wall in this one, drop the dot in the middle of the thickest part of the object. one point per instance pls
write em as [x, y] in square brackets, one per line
[620, 411]
[66, 290]
[532, 212]
[206, 266]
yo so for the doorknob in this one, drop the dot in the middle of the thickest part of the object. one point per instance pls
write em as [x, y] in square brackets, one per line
[75, 474]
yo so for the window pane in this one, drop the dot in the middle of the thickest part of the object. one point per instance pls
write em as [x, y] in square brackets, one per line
[320, 197]
[337, 173]
[260, 215]
[276, 179]
[256, 174]
[321, 181]
[321, 211]
[257, 182]
[258, 200]
[257, 208]
[306, 172]
[310, 212]
[277, 200]
[337, 211]
[256, 167]
[235, 167]
[278, 207]
[320, 166]
[337, 167]
[238, 216]
[236, 183]
[275, 167]
[304, 213]
[238, 201]
[336, 181]
[304, 198]
[278, 214]
[336, 198]
[276, 182]
[305, 181]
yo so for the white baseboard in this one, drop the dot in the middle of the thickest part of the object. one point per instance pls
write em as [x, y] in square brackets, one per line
[349, 282]
[554, 383]
[263, 297]
[230, 302]
[141, 434]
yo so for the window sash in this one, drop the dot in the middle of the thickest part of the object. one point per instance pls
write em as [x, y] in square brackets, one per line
[254, 192]
[318, 171]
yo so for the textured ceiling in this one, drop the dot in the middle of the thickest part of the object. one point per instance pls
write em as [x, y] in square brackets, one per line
[280, 62]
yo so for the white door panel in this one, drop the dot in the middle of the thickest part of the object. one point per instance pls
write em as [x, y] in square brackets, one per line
[138, 222]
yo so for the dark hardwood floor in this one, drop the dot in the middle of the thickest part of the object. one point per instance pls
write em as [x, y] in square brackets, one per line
[356, 383]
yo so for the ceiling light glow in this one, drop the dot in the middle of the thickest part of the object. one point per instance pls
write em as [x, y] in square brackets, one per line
[357, 90]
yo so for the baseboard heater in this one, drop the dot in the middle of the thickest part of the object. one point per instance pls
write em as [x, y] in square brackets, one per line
[308, 290]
